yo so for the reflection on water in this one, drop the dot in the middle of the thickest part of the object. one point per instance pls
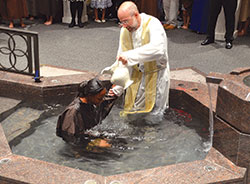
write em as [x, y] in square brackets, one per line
[136, 145]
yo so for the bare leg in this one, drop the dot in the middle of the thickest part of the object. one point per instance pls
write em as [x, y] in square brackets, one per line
[243, 28]
[22, 24]
[11, 25]
[188, 20]
[49, 21]
[96, 14]
[185, 20]
[103, 15]
[246, 24]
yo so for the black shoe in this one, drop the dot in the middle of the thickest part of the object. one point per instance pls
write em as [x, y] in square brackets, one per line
[80, 24]
[72, 24]
[207, 41]
[229, 45]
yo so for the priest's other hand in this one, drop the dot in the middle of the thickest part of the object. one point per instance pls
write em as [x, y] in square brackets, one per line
[122, 59]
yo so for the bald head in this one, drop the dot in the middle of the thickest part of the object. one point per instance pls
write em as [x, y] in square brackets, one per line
[129, 16]
[128, 7]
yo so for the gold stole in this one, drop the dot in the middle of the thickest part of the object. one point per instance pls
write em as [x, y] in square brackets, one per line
[150, 77]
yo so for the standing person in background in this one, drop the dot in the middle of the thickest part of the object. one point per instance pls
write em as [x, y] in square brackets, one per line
[200, 13]
[148, 6]
[112, 11]
[3, 11]
[14, 9]
[187, 12]
[52, 9]
[76, 6]
[244, 18]
[171, 11]
[161, 10]
[32, 9]
[143, 49]
[100, 4]
[229, 11]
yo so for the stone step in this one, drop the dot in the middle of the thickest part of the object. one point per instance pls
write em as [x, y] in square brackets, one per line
[19, 121]
[7, 106]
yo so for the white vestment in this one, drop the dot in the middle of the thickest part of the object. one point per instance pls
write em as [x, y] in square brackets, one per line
[155, 50]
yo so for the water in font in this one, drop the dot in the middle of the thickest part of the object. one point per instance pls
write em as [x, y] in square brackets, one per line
[136, 145]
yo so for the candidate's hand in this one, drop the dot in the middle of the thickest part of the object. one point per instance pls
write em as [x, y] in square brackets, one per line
[116, 90]
[122, 59]
[111, 93]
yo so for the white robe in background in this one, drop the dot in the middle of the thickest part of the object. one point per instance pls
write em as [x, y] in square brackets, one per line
[171, 11]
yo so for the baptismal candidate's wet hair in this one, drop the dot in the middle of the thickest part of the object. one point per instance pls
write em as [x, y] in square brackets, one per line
[91, 87]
